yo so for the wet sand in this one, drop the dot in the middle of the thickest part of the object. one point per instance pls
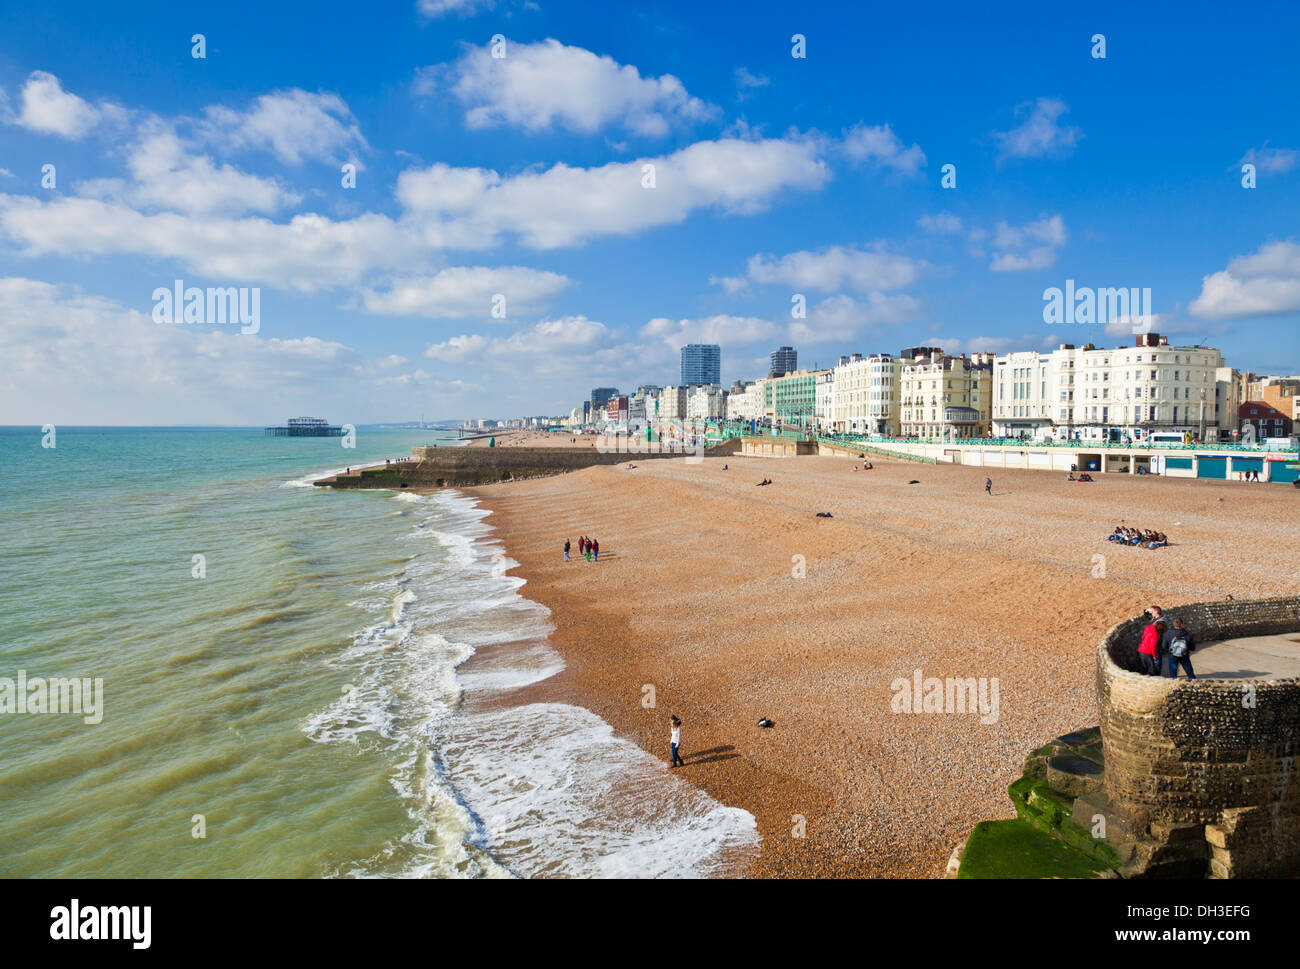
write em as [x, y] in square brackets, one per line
[697, 594]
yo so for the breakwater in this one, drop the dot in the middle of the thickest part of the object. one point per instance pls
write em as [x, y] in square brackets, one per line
[455, 467]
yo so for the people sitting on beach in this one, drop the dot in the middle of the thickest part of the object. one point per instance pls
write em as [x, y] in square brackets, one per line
[1140, 537]
[765, 481]
[869, 467]
[1085, 477]
[631, 467]
[1071, 477]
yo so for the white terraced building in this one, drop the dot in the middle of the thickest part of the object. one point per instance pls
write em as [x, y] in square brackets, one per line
[866, 395]
[1126, 393]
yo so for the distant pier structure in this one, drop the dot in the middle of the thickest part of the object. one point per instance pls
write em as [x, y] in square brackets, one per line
[305, 427]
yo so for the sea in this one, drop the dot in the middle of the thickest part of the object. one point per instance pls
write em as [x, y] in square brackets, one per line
[296, 681]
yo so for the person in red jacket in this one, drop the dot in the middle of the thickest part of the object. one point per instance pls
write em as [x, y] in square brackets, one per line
[1152, 636]
[595, 550]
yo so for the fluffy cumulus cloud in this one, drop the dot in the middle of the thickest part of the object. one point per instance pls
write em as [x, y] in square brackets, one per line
[722, 329]
[830, 270]
[1033, 245]
[294, 125]
[878, 145]
[548, 85]
[309, 252]
[1263, 283]
[842, 318]
[468, 291]
[46, 108]
[565, 206]
[116, 363]
[558, 354]
[166, 175]
[1040, 132]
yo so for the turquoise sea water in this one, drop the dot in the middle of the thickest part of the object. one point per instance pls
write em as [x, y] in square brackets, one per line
[303, 691]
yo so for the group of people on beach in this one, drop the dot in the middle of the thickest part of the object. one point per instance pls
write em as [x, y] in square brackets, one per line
[1141, 537]
[1083, 477]
[866, 467]
[588, 547]
[1164, 642]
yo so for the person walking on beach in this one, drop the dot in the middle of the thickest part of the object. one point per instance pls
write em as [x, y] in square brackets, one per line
[1179, 644]
[588, 550]
[566, 550]
[675, 739]
[1149, 647]
[595, 550]
[988, 486]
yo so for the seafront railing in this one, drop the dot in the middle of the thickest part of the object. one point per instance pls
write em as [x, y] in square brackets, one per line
[1072, 445]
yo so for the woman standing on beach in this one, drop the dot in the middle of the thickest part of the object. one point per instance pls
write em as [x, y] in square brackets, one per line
[595, 550]
[676, 740]
[566, 550]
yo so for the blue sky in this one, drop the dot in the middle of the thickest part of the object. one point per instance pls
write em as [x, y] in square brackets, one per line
[523, 176]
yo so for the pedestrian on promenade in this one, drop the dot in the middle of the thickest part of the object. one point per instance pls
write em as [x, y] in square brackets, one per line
[1179, 644]
[1150, 646]
[988, 486]
[595, 550]
[675, 739]
[566, 550]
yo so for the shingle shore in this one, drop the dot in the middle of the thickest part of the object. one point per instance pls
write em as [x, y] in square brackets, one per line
[696, 594]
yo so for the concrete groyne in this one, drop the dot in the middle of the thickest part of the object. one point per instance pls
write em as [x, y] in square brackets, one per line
[453, 467]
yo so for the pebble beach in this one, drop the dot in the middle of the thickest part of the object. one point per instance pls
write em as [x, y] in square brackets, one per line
[724, 603]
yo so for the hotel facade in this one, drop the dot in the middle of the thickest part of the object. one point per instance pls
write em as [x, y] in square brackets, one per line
[1126, 393]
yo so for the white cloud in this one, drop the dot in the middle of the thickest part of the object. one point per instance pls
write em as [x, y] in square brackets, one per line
[1033, 245]
[461, 8]
[956, 346]
[113, 364]
[830, 269]
[722, 329]
[564, 206]
[1265, 282]
[309, 252]
[1040, 134]
[944, 223]
[49, 109]
[167, 177]
[842, 318]
[467, 291]
[1272, 161]
[291, 124]
[880, 146]
[747, 81]
[548, 85]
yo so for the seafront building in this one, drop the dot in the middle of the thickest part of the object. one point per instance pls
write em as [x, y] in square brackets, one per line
[672, 403]
[708, 402]
[784, 360]
[943, 396]
[864, 396]
[1077, 393]
[1264, 420]
[701, 364]
[791, 400]
[1126, 393]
